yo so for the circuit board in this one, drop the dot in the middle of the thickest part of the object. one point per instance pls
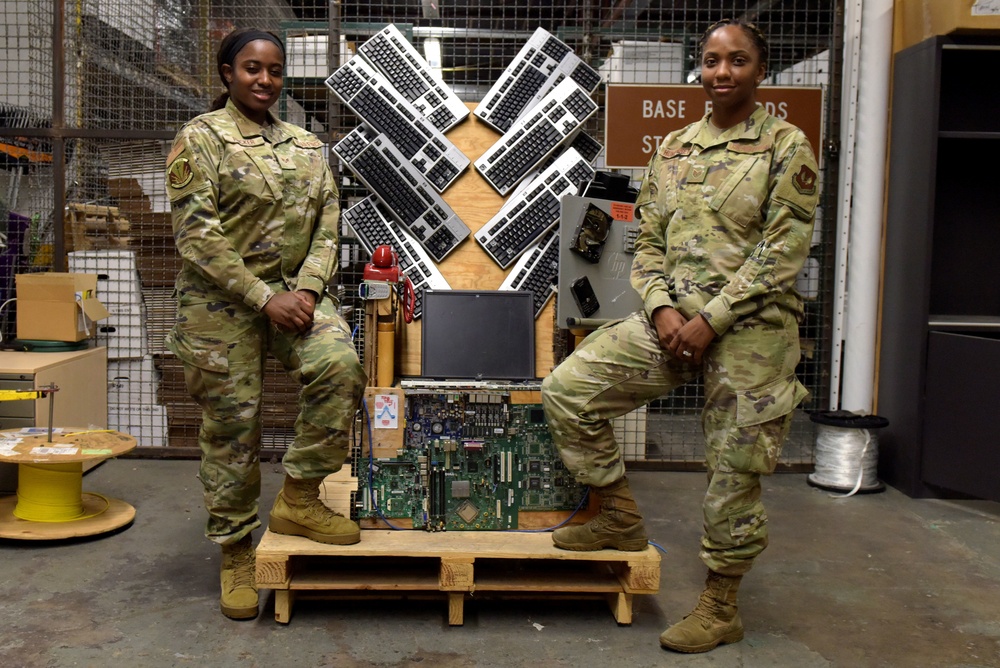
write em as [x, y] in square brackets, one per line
[470, 461]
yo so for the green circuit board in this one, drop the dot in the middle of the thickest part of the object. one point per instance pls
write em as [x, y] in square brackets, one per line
[471, 461]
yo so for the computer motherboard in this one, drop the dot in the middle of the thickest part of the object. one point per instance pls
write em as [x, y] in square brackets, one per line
[467, 461]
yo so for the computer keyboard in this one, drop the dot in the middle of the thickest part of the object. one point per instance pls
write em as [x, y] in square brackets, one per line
[535, 209]
[376, 102]
[585, 145]
[537, 270]
[541, 64]
[375, 227]
[406, 194]
[408, 72]
[535, 136]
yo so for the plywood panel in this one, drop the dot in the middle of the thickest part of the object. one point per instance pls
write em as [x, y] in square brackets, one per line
[468, 267]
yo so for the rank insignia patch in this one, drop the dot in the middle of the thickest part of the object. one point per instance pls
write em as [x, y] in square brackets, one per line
[698, 173]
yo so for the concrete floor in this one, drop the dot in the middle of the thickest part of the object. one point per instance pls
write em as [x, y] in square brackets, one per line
[875, 580]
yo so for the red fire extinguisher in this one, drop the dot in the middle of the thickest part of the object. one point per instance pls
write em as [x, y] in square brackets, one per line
[384, 268]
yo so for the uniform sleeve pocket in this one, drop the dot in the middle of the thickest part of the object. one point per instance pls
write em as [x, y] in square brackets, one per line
[769, 402]
[200, 351]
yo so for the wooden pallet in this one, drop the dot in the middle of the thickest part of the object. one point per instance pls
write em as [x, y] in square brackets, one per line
[90, 226]
[454, 565]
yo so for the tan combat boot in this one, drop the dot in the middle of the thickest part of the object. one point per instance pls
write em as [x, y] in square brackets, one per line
[716, 620]
[298, 512]
[618, 526]
[239, 586]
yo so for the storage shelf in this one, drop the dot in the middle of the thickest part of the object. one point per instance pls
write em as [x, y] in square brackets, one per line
[972, 323]
[962, 134]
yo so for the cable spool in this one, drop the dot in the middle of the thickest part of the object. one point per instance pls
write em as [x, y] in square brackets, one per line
[846, 452]
[53, 493]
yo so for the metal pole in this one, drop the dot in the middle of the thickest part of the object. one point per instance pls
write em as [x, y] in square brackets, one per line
[864, 260]
[58, 126]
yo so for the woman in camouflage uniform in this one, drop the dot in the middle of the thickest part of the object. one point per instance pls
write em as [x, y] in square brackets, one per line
[255, 217]
[726, 217]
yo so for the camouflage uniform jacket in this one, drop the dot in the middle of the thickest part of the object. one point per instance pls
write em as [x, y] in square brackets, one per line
[254, 208]
[726, 220]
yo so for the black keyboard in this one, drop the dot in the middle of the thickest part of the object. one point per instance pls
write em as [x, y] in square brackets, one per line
[588, 147]
[534, 210]
[376, 102]
[537, 270]
[375, 227]
[408, 72]
[535, 136]
[541, 64]
[406, 194]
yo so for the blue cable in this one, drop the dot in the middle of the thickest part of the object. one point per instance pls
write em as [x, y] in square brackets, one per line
[371, 471]
[579, 506]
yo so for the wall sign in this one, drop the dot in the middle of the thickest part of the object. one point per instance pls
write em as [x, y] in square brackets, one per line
[639, 116]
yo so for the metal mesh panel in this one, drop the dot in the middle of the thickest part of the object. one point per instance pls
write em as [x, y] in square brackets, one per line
[132, 72]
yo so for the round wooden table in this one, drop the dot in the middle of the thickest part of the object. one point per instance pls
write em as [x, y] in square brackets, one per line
[55, 468]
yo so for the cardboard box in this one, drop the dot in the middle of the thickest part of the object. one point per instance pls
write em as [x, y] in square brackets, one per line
[917, 20]
[117, 277]
[123, 332]
[132, 381]
[56, 306]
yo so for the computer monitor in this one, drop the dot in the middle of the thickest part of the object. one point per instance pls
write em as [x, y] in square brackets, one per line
[480, 335]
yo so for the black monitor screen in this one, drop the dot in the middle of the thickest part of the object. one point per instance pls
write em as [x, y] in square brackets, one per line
[482, 335]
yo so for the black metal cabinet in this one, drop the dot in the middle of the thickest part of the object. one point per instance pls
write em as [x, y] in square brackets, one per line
[940, 329]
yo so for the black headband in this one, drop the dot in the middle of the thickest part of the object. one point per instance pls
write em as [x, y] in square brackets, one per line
[228, 56]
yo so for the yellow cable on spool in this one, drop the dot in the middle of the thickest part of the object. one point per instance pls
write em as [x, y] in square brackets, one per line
[51, 493]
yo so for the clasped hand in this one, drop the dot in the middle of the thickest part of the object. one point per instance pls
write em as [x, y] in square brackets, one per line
[684, 339]
[291, 311]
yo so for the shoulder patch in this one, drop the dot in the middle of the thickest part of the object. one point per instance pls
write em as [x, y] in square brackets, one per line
[804, 180]
[798, 186]
[183, 175]
[179, 173]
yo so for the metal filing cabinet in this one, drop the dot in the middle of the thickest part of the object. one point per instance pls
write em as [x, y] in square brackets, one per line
[81, 401]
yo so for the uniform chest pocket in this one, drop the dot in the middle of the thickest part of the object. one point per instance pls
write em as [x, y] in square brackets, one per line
[669, 181]
[741, 195]
[255, 176]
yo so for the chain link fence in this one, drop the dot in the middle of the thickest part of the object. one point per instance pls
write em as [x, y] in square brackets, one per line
[92, 92]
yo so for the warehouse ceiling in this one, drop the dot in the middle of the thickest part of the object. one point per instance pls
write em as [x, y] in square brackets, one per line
[797, 29]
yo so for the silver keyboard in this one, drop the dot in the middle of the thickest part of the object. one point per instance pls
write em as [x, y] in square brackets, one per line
[404, 192]
[408, 72]
[585, 145]
[535, 136]
[541, 64]
[376, 102]
[537, 270]
[534, 210]
[375, 227]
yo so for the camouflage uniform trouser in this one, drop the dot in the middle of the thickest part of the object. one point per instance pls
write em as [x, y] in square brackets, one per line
[223, 347]
[750, 393]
